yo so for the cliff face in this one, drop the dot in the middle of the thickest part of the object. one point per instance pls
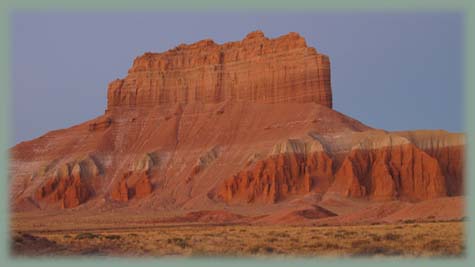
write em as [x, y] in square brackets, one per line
[394, 172]
[376, 166]
[449, 150]
[69, 185]
[293, 168]
[242, 124]
[255, 69]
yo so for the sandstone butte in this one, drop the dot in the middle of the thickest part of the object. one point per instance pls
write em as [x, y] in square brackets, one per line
[246, 129]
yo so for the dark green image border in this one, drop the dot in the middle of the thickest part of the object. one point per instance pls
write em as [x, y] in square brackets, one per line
[467, 8]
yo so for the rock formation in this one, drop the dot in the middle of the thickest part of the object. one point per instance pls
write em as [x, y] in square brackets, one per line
[242, 124]
[132, 186]
[70, 185]
[293, 168]
[255, 69]
[385, 173]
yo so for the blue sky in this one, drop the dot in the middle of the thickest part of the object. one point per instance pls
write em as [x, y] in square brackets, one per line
[393, 71]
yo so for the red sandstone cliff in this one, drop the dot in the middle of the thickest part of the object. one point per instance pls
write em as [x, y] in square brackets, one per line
[247, 123]
[256, 69]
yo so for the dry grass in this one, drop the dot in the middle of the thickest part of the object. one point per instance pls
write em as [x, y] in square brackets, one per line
[409, 239]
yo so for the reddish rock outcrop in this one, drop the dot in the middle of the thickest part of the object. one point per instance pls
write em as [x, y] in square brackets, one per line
[69, 184]
[451, 160]
[277, 177]
[132, 186]
[70, 191]
[381, 166]
[396, 172]
[256, 69]
[448, 149]
[120, 191]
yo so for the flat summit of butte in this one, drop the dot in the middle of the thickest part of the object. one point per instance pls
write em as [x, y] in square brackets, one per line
[237, 132]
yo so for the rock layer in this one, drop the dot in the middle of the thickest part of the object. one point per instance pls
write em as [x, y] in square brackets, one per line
[256, 69]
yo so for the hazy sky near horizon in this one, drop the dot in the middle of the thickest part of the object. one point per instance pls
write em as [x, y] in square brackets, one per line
[394, 71]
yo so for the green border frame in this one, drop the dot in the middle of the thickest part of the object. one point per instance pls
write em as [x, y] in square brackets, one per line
[466, 7]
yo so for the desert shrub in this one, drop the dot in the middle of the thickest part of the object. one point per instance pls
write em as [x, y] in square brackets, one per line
[330, 246]
[268, 249]
[442, 248]
[272, 239]
[200, 252]
[112, 237]
[375, 237]
[87, 236]
[67, 236]
[435, 245]
[254, 235]
[254, 249]
[28, 236]
[261, 249]
[92, 252]
[372, 250]
[339, 235]
[392, 237]
[344, 234]
[418, 236]
[409, 221]
[17, 239]
[359, 243]
[312, 246]
[180, 242]
[281, 234]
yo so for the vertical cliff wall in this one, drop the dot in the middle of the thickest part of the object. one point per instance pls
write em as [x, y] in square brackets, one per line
[256, 69]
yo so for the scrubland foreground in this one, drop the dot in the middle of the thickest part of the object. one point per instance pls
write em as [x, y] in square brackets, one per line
[436, 239]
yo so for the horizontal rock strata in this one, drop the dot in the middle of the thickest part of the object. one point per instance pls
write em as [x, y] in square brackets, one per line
[256, 69]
